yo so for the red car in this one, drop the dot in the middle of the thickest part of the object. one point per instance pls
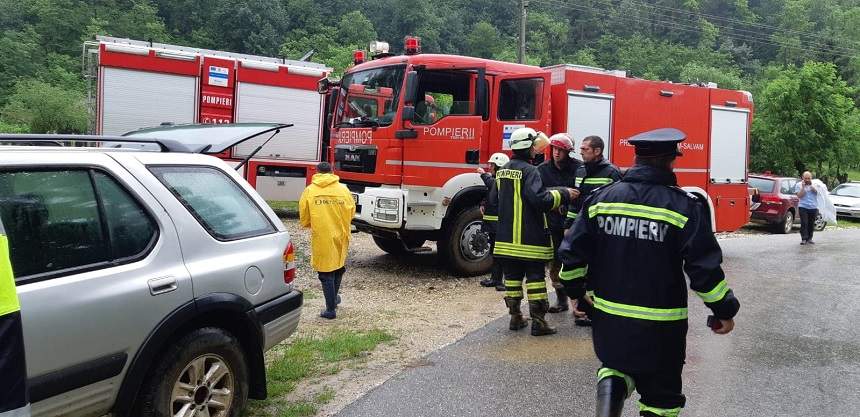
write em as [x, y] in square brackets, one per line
[776, 204]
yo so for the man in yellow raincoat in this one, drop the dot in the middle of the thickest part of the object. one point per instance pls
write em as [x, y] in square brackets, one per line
[327, 207]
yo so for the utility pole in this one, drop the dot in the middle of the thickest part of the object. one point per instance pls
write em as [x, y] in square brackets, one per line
[521, 53]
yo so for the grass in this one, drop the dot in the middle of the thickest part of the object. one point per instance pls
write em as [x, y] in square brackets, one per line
[843, 222]
[308, 357]
[285, 208]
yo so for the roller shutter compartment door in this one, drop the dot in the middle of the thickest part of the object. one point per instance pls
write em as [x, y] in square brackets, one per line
[136, 99]
[728, 145]
[264, 103]
[590, 114]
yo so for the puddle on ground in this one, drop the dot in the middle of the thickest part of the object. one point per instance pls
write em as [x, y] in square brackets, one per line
[544, 349]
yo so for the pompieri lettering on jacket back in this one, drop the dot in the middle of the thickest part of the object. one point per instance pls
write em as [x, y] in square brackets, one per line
[511, 174]
[632, 228]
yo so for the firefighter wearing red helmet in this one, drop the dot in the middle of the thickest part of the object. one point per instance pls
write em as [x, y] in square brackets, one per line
[632, 244]
[522, 236]
[558, 171]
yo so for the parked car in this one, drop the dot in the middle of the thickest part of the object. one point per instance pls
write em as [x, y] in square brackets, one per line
[151, 283]
[777, 203]
[846, 199]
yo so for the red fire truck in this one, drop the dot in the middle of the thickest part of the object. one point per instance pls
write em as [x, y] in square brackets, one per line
[410, 159]
[137, 84]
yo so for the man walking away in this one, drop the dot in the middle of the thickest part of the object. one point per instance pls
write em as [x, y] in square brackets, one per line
[522, 236]
[808, 207]
[491, 217]
[596, 172]
[326, 206]
[631, 244]
[14, 401]
[559, 171]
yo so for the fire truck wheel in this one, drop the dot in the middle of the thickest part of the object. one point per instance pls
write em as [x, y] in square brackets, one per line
[464, 248]
[397, 247]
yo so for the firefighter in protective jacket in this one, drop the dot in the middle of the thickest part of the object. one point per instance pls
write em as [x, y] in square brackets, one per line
[522, 236]
[490, 213]
[13, 369]
[632, 244]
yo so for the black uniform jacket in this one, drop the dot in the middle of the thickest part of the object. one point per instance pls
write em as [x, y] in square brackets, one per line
[589, 177]
[491, 211]
[554, 177]
[632, 244]
[522, 230]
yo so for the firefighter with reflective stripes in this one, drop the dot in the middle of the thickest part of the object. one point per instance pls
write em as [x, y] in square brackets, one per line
[632, 244]
[491, 216]
[558, 171]
[594, 173]
[13, 369]
[522, 237]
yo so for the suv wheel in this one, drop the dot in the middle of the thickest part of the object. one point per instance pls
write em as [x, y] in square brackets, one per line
[820, 224]
[786, 224]
[203, 374]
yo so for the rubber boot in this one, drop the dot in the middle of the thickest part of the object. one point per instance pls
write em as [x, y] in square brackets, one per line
[330, 294]
[561, 303]
[517, 320]
[537, 310]
[611, 393]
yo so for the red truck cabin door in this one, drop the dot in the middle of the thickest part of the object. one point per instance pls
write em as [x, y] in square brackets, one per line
[448, 127]
[520, 100]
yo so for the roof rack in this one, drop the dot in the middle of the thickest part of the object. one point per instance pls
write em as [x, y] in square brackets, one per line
[165, 145]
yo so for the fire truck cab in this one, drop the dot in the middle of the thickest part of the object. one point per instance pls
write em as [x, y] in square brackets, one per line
[411, 162]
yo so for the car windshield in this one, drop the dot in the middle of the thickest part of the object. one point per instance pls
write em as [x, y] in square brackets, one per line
[763, 185]
[369, 98]
[847, 190]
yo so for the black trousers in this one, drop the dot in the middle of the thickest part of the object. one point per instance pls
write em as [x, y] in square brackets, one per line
[13, 369]
[533, 272]
[807, 222]
[660, 392]
[330, 282]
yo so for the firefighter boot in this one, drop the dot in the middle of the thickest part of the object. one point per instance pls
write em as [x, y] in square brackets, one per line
[537, 310]
[517, 320]
[611, 392]
[561, 303]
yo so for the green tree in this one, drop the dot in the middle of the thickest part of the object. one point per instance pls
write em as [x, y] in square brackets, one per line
[483, 41]
[46, 108]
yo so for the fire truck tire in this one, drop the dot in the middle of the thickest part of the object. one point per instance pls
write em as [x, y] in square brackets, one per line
[397, 247]
[464, 248]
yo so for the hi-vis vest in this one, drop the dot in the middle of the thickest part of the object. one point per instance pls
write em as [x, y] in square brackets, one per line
[631, 245]
[522, 201]
[8, 296]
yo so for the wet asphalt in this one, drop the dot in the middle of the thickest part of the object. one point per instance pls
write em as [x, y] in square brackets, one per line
[795, 350]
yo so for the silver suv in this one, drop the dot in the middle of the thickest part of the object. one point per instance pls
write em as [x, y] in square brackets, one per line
[150, 283]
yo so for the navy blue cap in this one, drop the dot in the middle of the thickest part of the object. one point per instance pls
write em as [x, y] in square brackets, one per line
[658, 142]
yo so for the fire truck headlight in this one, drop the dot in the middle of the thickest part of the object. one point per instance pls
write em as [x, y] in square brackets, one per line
[388, 203]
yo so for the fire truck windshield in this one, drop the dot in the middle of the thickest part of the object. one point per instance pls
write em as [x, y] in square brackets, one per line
[369, 98]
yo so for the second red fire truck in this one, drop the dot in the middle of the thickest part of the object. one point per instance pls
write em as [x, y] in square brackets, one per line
[408, 132]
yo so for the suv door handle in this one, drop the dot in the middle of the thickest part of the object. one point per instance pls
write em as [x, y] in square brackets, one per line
[162, 285]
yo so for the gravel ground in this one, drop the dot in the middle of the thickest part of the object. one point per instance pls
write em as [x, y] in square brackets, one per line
[411, 298]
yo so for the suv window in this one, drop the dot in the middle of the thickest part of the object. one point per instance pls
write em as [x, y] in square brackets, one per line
[55, 220]
[215, 200]
[520, 99]
[787, 186]
[763, 185]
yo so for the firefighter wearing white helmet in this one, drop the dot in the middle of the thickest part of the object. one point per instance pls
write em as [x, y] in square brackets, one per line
[491, 216]
[558, 171]
[522, 243]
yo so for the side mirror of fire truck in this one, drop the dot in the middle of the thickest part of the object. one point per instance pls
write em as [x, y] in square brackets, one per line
[409, 95]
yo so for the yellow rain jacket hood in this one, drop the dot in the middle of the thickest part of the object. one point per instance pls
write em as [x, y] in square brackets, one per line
[326, 206]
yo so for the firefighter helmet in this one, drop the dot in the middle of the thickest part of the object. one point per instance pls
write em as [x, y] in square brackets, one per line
[499, 159]
[541, 142]
[561, 141]
[523, 138]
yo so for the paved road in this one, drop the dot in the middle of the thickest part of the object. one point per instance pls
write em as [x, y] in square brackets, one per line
[795, 350]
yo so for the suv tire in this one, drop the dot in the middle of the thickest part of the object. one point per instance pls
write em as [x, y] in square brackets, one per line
[182, 370]
[460, 236]
[820, 224]
[786, 224]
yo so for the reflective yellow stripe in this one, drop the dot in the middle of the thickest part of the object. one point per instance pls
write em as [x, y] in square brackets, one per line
[639, 210]
[8, 296]
[535, 285]
[515, 294]
[538, 296]
[522, 255]
[518, 213]
[571, 214]
[607, 372]
[556, 199]
[578, 181]
[662, 412]
[524, 249]
[590, 293]
[597, 181]
[490, 218]
[715, 294]
[637, 312]
[573, 273]
[513, 283]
